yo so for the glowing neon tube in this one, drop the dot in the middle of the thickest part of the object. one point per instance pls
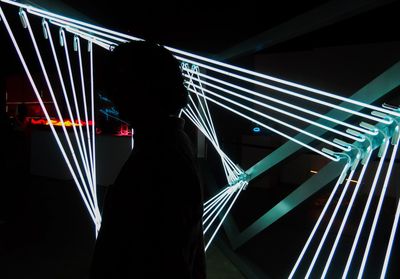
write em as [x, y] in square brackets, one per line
[276, 120]
[118, 37]
[378, 210]
[71, 116]
[273, 130]
[345, 217]
[214, 197]
[94, 174]
[327, 229]
[316, 226]
[365, 211]
[391, 240]
[214, 203]
[78, 114]
[88, 135]
[217, 209]
[35, 90]
[267, 77]
[226, 213]
[191, 115]
[206, 127]
[208, 115]
[57, 108]
[286, 113]
[288, 92]
[108, 45]
[263, 96]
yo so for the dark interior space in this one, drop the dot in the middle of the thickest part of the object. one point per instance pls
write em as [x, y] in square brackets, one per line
[337, 46]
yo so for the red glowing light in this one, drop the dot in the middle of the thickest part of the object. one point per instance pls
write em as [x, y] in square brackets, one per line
[124, 131]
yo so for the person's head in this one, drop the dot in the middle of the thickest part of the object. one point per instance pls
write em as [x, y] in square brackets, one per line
[145, 82]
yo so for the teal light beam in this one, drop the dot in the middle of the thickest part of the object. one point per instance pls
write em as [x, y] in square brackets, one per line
[371, 92]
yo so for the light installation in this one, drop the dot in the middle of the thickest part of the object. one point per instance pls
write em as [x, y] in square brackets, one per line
[216, 84]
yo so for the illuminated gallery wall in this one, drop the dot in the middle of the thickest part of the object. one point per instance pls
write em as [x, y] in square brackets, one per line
[65, 46]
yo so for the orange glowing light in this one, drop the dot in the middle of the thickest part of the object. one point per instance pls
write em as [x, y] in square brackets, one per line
[56, 122]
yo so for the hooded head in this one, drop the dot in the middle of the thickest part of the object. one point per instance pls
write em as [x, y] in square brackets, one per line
[145, 82]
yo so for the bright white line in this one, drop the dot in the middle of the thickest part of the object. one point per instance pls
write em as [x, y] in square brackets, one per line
[327, 229]
[82, 140]
[46, 113]
[276, 120]
[321, 216]
[207, 133]
[378, 210]
[239, 69]
[96, 40]
[391, 240]
[288, 92]
[192, 116]
[83, 85]
[50, 38]
[365, 211]
[76, 23]
[254, 93]
[220, 193]
[93, 136]
[57, 108]
[207, 112]
[274, 130]
[204, 124]
[286, 113]
[105, 32]
[346, 215]
[214, 203]
[220, 206]
[226, 213]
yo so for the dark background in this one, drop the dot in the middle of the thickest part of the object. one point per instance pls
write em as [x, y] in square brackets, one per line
[49, 235]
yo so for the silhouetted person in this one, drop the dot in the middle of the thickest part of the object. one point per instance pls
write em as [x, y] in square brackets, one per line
[152, 217]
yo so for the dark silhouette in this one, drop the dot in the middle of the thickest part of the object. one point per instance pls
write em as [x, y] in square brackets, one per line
[152, 217]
